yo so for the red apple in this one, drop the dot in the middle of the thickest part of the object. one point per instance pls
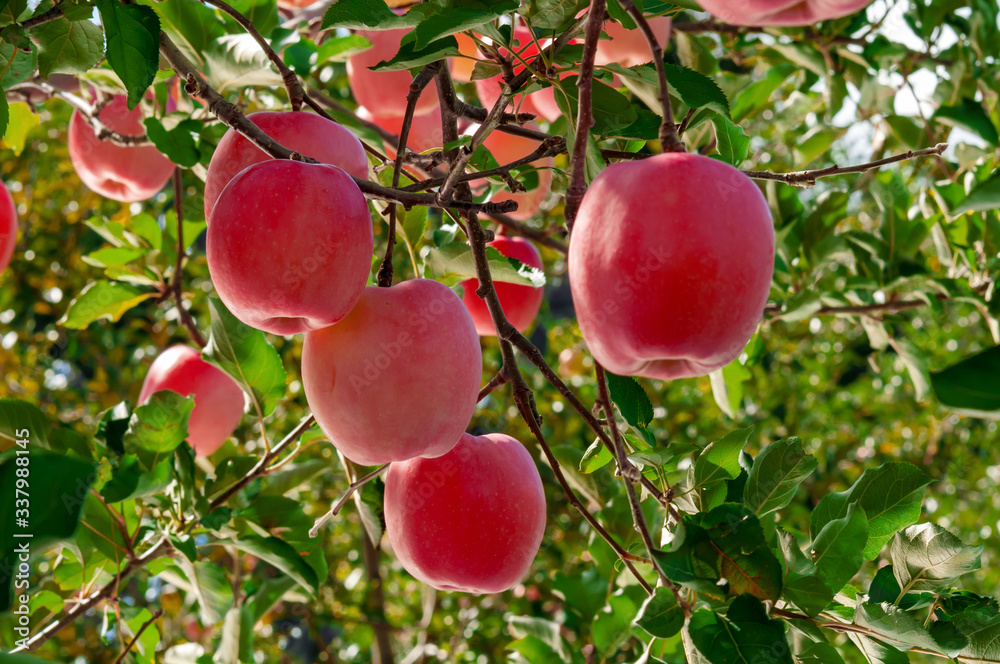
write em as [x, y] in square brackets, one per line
[629, 47]
[306, 133]
[126, 174]
[520, 303]
[425, 130]
[384, 92]
[471, 520]
[399, 377]
[507, 148]
[290, 245]
[781, 12]
[294, 4]
[8, 227]
[218, 400]
[670, 264]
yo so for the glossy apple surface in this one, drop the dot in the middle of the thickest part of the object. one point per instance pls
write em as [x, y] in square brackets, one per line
[670, 265]
[629, 47]
[507, 148]
[218, 400]
[306, 133]
[8, 227]
[384, 92]
[520, 303]
[425, 130]
[126, 174]
[399, 377]
[471, 520]
[290, 245]
[781, 12]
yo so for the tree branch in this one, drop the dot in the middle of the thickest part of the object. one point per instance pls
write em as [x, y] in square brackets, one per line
[91, 114]
[808, 179]
[339, 505]
[584, 113]
[176, 283]
[121, 657]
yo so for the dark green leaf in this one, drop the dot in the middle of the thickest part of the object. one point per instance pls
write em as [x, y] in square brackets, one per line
[130, 480]
[902, 630]
[927, 557]
[631, 399]
[972, 385]
[890, 495]
[776, 475]
[16, 65]
[68, 47]
[245, 354]
[660, 615]
[132, 35]
[836, 550]
[364, 14]
[971, 116]
[281, 555]
[732, 142]
[177, 143]
[158, 426]
[721, 460]
[411, 56]
[696, 90]
[985, 196]
[744, 636]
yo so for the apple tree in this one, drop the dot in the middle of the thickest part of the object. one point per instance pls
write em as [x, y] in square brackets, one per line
[487, 330]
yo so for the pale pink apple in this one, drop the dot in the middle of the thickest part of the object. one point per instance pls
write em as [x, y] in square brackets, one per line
[670, 265]
[218, 400]
[121, 173]
[290, 245]
[384, 92]
[520, 302]
[781, 12]
[471, 520]
[8, 227]
[306, 133]
[399, 377]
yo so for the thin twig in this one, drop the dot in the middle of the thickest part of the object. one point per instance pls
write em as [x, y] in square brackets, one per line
[91, 114]
[808, 179]
[121, 657]
[584, 113]
[669, 139]
[176, 282]
[339, 505]
[420, 82]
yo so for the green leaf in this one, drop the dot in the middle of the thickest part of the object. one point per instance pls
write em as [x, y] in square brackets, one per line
[733, 143]
[262, 13]
[596, 457]
[132, 33]
[4, 115]
[776, 475]
[365, 15]
[836, 550]
[16, 65]
[410, 56]
[876, 652]
[696, 90]
[890, 495]
[631, 399]
[727, 544]
[454, 262]
[660, 615]
[972, 385]
[447, 18]
[985, 196]
[129, 480]
[158, 427]
[971, 116]
[236, 645]
[929, 558]
[553, 14]
[12, 10]
[21, 120]
[281, 555]
[546, 631]
[802, 584]
[755, 95]
[102, 299]
[902, 630]
[20, 420]
[68, 47]
[745, 635]
[177, 143]
[720, 460]
[983, 632]
[56, 486]
[245, 354]
[818, 653]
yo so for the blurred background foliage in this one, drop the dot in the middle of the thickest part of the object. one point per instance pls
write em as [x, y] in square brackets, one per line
[853, 388]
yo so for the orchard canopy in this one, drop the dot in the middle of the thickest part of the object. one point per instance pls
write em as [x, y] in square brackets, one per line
[534, 331]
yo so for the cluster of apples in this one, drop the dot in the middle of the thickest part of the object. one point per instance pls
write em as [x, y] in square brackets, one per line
[289, 249]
